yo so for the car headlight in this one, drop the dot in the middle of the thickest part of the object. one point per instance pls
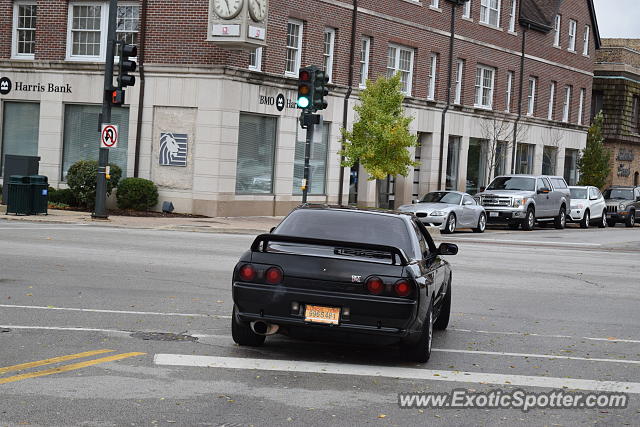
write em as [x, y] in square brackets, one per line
[519, 202]
[580, 206]
[437, 213]
[622, 206]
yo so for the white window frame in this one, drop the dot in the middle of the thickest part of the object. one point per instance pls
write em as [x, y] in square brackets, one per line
[365, 51]
[480, 87]
[14, 42]
[104, 14]
[585, 40]
[485, 12]
[566, 107]
[125, 3]
[327, 57]
[298, 48]
[257, 54]
[512, 16]
[573, 29]
[459, 74]
[433, 72]
[435, 4]
[581, 105]
[510, 77]
[552, 100]
[531, 98]
[396, 67]
[466, 10]
[556, 28]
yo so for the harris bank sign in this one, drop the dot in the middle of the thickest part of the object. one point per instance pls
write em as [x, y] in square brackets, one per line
[7, 86]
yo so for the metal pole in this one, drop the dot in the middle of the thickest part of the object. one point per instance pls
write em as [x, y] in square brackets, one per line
[307, 155]
[105, 117]
[515, 124]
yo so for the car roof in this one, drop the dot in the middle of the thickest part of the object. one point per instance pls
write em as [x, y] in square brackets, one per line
[525, 175]
[356, 210]
[462, 193]
[580, 187]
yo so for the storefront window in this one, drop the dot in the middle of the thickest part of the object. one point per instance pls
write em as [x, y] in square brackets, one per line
[453, 163]
[317, 163]
[476, 165]
[256, 153]
[549, 160]
[524, 158]
[500, 163]
[82, 139]
[20, 129]
[570, 166]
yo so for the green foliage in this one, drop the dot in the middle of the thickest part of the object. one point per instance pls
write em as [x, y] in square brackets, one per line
[82, 177]
[595, 162]
[62, 196]
[137, 194]
[380, 139]
[53, 205]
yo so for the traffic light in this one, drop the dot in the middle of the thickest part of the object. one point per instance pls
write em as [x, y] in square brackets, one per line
[306, 87]
[117, 96]
[127, 65]
[320, 90]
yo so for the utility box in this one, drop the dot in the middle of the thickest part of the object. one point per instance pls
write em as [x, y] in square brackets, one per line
[19, 197]
[18, 165]
[39, 194]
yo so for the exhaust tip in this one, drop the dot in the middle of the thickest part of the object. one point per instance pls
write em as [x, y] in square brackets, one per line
[264, 328]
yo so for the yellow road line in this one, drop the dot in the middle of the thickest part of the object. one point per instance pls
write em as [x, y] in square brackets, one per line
[68, 367]
[28, 365]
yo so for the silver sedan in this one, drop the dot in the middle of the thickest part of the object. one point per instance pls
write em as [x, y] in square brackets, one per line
[449, 210]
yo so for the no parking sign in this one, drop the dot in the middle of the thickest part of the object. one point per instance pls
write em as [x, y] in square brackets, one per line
[109, 136]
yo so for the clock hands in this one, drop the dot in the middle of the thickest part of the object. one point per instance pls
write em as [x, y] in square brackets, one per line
[228, 8]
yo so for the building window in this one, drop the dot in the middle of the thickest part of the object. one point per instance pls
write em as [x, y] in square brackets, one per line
[571, 166]
[524, 158]
[459, 74]
[507, 98]
[635, 114]
[256, 154]
[466, 9]
[433, 69]
[317, 162]
[400, 60]
[255, 59]
[453, 163]
[86, 40]
[552, 100]
[581, 106]
[597, 101]
[365, 48]
[435, 3]
[128, 23]
[484, 87]
[490, 12]
[531, 98]
[476, 165]
[512, 16]
[329, 44]
[556, 31]
[24, 26]
[566, 106]
[549, 160]
[20, 129]
[500, 161]
[80, 135]
[294, 48]
[572, 35]
[585, 41]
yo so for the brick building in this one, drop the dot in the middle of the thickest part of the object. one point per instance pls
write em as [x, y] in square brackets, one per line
[616, 92]
[230, 118]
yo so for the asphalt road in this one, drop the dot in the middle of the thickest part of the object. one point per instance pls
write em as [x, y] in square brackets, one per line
[531, 310]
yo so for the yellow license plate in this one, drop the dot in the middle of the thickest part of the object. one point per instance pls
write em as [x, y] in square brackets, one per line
[319, 314]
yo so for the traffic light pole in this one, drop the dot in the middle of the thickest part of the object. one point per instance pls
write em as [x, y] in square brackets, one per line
[307, 155]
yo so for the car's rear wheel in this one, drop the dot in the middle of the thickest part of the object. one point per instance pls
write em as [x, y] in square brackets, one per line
[561, 219]
[442, 321]
[242, 333]
[631, 219]
[586, 220]
[482, 224]
[603, 221]
[421, 351]
[450, 225]
[529, 221]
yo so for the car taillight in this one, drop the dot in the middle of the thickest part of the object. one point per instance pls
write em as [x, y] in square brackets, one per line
[375, 285]
[247, 273]
[402, 288]
[273, 276]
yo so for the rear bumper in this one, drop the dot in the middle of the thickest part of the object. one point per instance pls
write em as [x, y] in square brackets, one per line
[370, 315]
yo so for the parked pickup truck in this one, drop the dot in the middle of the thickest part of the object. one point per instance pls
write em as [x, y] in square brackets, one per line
[521, 200]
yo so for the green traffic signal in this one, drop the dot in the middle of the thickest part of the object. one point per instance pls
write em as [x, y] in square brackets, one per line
[306, 87]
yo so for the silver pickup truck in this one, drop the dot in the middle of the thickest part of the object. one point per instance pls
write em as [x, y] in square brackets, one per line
[524, 199]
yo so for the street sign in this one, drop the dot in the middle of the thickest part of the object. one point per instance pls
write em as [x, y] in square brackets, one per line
[109, 136]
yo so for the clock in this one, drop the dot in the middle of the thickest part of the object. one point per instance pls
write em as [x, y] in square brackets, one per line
[227, 9]
[258, 9]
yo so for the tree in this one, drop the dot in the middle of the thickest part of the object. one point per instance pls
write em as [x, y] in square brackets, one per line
[594, 163]
[551, 138]
[380, 139]
[497, 132]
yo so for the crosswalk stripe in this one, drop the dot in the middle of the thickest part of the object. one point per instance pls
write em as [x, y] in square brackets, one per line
[58, 359]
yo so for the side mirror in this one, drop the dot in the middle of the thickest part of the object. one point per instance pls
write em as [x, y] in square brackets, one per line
[543, 190]
[447, 249]
[467, 203]
[482, 189]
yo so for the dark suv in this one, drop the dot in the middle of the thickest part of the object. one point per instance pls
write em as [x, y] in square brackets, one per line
[623, 205]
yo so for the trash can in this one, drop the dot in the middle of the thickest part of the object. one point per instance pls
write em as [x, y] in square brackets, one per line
[19, 195]
[18, 165]
[39, 194]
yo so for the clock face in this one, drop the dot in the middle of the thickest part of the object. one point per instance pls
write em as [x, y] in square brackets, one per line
[258, 9]
[227, 9]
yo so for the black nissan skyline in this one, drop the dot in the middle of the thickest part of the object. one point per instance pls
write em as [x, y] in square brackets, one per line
[344, 274]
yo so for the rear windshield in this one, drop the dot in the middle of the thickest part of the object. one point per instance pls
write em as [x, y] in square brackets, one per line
[513, 183]
[578, 193]
[348, 226]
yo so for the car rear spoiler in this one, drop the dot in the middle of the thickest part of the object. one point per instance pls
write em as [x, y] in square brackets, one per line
[264, 239]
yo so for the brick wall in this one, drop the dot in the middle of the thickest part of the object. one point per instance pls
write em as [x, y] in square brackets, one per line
[51, 29]
[6, 17]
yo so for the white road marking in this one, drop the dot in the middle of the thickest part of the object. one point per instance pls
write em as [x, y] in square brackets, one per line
[535, 242]
[526, 334]
[535, 356]
[61, 328]
[394, 372]
[95, 310]
[42, 228]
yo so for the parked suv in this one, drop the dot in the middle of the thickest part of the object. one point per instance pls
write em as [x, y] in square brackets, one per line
[524, 199]
[623, 205]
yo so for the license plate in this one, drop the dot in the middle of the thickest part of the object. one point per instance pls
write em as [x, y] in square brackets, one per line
[494, 213]
[319, 314]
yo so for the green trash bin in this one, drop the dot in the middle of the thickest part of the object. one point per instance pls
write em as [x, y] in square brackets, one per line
[39, 194]
[19, 195]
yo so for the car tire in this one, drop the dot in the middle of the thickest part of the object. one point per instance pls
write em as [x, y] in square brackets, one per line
[603, 221]
[482, 224]
[611, 222]
[586, 220]
[631, 219]
[442, 321]
[421, 351]
[242, 333]
[529, 221]
[450, 225]
[561, 220]
[514, 225]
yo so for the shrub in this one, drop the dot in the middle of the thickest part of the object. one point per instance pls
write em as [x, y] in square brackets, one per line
[63, 197]
[81, 179]
[137, 193]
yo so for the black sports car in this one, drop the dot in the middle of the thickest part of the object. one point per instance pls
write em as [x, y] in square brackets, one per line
[343, 273]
